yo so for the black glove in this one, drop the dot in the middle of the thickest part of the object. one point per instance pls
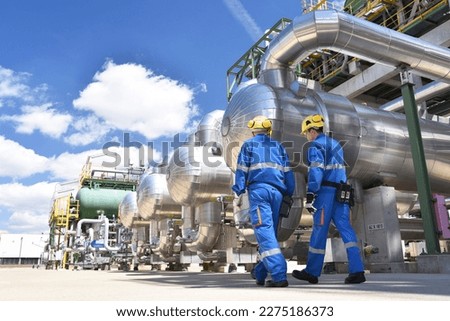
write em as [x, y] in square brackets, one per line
[310, 197]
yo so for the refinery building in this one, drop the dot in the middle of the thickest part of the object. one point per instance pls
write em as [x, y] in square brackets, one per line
[379, 71]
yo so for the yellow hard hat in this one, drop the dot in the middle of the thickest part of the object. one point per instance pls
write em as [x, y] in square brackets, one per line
[312, 121]
[260, 122]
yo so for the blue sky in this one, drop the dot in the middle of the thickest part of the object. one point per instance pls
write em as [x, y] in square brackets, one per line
[76, 74]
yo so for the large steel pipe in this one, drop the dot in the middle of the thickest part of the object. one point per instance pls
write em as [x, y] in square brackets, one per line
[347, 34]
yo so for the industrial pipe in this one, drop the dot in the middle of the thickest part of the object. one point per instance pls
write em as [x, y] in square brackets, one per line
[347, 34]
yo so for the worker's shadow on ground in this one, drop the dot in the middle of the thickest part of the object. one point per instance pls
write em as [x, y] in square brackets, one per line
[385, 282]
[195, 279]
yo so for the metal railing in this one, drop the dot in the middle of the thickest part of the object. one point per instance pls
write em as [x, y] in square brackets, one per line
[399, 17]
[247, 66]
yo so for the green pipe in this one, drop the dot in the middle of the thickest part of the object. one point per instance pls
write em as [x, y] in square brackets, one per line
[420, 165]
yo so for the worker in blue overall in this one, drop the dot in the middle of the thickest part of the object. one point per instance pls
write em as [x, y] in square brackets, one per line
[263, 169]
[328, 198]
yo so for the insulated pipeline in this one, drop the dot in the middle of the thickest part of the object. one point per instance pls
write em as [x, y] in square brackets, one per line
[347, 34]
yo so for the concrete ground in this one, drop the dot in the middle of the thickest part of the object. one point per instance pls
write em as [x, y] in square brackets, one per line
[28, 284]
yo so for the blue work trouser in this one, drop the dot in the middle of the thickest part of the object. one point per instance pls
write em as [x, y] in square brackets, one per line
[265, 202]
[328, 208]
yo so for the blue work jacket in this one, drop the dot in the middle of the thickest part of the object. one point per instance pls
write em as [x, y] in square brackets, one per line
[263, 160]
[326, 162]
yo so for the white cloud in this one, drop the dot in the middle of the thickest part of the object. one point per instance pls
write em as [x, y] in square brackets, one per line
[15, 91]
[68, 166]
[11, 83]
[19, 196]
[88, 130]
[28, 206]
[41, 118]
[240, 14]
[131, 97]
[17, 161]
[20, 162]
[29, 222]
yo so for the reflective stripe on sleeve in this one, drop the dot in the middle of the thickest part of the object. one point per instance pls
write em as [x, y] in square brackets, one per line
[243, 168]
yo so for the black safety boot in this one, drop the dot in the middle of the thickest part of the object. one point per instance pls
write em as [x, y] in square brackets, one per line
[279, 284]
[305, 276]
[260, 283]
[355, 278]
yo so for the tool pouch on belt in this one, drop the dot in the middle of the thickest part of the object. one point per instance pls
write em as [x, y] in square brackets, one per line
[345, 193]
[286, 205]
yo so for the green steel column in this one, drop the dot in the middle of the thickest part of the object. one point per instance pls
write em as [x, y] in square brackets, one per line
[420, 165]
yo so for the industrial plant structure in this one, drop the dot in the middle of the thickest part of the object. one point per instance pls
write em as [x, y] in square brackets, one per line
[379, 71]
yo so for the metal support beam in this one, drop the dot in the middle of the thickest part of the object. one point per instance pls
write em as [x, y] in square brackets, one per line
[420, 166]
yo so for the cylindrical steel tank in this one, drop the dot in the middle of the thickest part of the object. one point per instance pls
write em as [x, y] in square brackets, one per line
[195, 175]
[153, 198]
[128, 210]
[208, 130]
[375, 142]
[94, 201]
[196, 171]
